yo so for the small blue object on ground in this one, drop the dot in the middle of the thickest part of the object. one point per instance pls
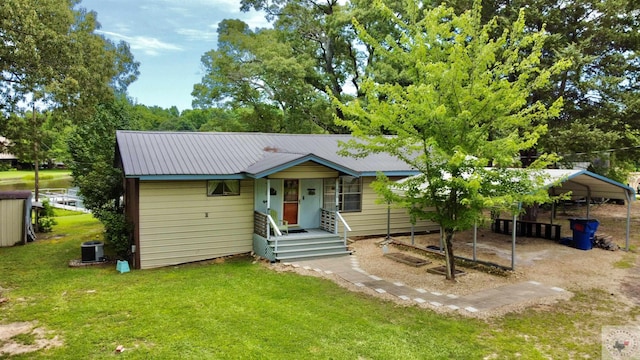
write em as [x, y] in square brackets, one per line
[583, 232]
[122, 266]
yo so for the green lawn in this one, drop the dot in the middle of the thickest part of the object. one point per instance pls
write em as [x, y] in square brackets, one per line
[243, 310]
[24, 180]
[24, 175]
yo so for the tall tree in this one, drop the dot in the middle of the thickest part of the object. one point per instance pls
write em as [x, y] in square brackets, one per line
[52, 59]
[91, 147]
[465, 107]
[254, 70]
[601, 88]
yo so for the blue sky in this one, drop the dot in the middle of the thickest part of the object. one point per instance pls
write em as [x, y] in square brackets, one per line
[167, 37]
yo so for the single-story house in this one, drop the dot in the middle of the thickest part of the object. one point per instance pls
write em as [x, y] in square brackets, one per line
[6, 157]
[198, 196]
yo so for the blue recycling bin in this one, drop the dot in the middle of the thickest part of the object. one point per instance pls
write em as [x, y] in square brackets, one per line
[583, 232]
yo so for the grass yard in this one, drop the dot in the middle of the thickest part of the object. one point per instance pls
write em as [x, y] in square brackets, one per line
[29, 175]
[24, 179]
[243, 310]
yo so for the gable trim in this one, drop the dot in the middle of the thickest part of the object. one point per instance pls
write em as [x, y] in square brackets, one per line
[306, 158]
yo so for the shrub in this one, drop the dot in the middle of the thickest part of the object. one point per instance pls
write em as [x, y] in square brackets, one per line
[116, 232]
[46, 217]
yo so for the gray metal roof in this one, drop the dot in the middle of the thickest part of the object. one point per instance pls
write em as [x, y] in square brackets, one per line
[583, 183]
[580, 183]
[184, 155]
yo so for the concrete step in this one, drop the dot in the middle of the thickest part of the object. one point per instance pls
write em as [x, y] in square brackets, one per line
[313, 255]
[283, 246]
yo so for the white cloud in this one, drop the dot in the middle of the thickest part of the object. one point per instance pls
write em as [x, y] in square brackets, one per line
[197, 35]
[150, 46]
[257, 20]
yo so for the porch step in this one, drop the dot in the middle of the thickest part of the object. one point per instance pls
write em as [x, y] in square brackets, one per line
[319, 255]
[294, 246]
[306, 244]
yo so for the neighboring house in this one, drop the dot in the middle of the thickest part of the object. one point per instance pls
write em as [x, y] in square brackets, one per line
[6, 157]
[198, 196]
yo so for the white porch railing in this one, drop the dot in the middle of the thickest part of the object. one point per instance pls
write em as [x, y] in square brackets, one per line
[329, 222]
[274, 226]
[346, 226]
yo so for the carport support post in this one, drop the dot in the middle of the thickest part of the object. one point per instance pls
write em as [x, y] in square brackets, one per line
[513, 237]
[513, 243]
[388, 221]
[588, 202]
[626, 194]
[475, 239]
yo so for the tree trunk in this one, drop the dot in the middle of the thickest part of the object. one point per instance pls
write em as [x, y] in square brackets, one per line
[448, 255]
[36, 160]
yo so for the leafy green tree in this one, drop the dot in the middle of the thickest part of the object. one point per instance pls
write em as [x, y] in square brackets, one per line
[254, 70]
[91, 146]
[51, 59]
[466, 107]
[600, 88]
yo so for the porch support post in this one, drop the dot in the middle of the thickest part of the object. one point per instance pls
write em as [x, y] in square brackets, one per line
[335, 220]
[268, 207]
[268, 195]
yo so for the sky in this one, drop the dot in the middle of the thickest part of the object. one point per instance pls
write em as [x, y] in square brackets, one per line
[168, 38]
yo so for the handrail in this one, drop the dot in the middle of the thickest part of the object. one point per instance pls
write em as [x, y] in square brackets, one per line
[275, 230]
[274, 225]
[344, 223]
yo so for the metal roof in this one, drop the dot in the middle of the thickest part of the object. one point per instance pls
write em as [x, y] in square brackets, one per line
[17, 194]
[191, 155]
[583, 183]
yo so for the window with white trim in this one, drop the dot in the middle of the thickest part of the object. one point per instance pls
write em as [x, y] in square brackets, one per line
[223, 187]
[349, 194]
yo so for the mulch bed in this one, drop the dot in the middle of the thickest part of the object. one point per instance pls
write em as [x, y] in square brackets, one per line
[407, 259]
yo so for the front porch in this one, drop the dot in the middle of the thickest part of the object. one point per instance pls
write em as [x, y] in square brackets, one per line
[271, 244]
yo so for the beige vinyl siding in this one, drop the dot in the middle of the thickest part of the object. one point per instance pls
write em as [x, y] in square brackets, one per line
[307, 170]
[179, 223]
[372, 220]
[11, 221]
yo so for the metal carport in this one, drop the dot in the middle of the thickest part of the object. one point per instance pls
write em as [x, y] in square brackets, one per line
[581, 184]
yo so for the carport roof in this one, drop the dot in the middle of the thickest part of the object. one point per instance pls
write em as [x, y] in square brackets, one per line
[583, 183]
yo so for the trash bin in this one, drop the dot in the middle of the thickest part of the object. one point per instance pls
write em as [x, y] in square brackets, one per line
[583, 232]
[92, 251]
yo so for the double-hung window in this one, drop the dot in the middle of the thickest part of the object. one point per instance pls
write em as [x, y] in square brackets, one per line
[349, 194]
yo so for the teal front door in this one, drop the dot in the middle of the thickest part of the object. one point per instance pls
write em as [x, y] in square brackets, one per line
[310, 203]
